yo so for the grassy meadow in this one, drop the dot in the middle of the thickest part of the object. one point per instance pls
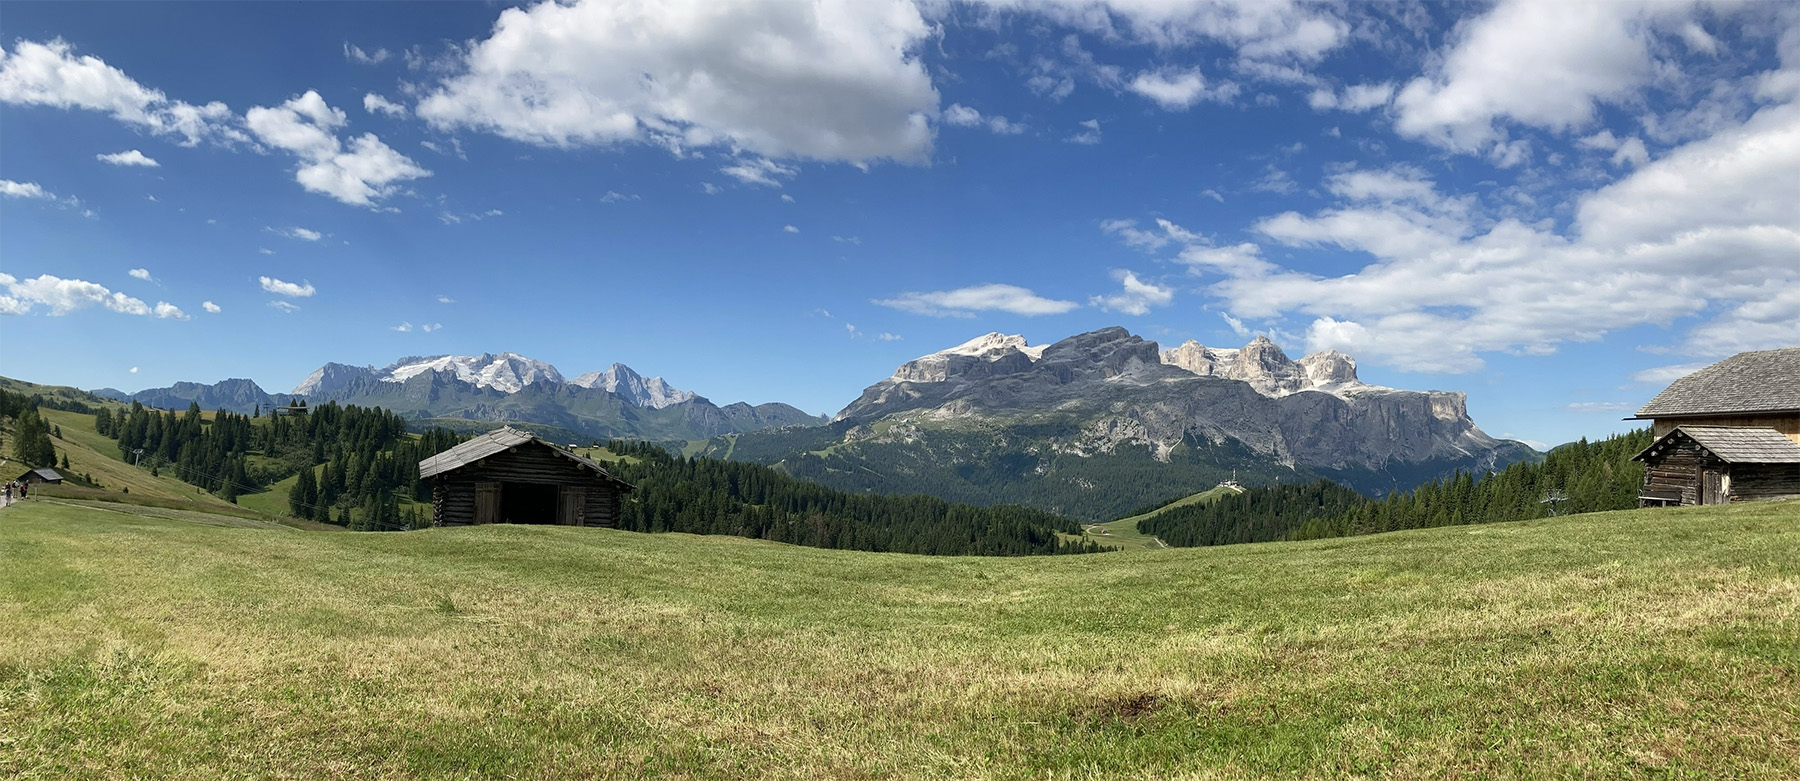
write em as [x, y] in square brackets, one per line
[1123, 533]
[1637, 644]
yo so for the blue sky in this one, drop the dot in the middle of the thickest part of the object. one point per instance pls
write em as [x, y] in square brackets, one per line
[1554, 206]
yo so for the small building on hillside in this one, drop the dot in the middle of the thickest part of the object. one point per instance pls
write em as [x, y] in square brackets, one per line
[511, 476]
[42, 475]
[1727, 433]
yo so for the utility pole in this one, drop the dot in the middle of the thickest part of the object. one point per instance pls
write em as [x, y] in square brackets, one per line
[137, 455]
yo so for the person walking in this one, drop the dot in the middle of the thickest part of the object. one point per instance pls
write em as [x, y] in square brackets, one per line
[8, 495]
[23, 489]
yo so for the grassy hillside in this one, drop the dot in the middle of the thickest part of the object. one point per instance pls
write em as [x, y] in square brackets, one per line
[1631, 644]
[1123, 533]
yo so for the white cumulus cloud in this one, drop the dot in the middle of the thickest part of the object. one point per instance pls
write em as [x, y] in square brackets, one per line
[63, 296]
[1538, 63]
[360, 173]
[834, 80]
[141, 273]
[51, 74]
[210, 307]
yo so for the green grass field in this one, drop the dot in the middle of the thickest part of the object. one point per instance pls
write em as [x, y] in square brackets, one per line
[1651, 644]
[1123, 533]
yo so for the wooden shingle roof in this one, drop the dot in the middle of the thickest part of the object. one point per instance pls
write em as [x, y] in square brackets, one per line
[1761, 381]
[494, 442]
[1733, 444]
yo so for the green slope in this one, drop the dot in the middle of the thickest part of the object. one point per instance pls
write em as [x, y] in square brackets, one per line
[1123, 533]
[1630, 644]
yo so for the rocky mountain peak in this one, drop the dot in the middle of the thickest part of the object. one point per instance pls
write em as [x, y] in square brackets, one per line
[1105, 353]
[983, 356]
[622, 380]
[331, 377]
[993, 345]
[1267, 368]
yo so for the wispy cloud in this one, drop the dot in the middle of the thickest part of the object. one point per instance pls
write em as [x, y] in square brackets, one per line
[1599, 407]
[965, 302]
[129, 157]
[289, 289]
[295, 232]
[1135, 296]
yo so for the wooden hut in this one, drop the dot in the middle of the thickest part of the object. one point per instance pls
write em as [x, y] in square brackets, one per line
[511, 476]
[1718, 465]
[1756, 389]
[1727, 433]
[42, 475]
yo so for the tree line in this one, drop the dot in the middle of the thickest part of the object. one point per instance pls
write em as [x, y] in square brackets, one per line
[1581, 477]
[31, 443]
[712, 496]
[353, 463]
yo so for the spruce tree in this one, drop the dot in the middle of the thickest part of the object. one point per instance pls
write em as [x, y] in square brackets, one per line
[31, 440]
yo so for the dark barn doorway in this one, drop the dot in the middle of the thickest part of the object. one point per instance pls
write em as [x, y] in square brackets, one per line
[528, 503]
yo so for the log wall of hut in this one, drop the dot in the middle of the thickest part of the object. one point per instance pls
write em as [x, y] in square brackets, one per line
[1764, 482]
[454, 499]
[1788, 423]
[1676, 473]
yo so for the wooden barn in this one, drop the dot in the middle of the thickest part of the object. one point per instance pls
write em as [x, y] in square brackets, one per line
[511, 476]
[1727, 433]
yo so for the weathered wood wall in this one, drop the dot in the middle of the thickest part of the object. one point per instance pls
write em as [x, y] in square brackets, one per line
[1788, 424]
[453, 493]
[1763, 482]
[1677, 471]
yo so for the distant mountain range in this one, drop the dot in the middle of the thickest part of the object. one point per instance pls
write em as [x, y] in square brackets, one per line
[477, 392]
[1092, 426]
[1100, 423]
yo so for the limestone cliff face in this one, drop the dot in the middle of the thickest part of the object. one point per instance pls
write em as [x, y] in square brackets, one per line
[1263, 364]
[1121, 389]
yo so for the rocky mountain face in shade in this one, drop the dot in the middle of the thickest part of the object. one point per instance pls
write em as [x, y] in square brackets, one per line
[1067, 418]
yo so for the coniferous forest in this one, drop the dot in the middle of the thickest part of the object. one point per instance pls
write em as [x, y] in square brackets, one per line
[368, 459]
[711, 496]
[1581, 477]
[351, 466]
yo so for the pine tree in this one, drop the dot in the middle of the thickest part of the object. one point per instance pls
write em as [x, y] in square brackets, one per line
[31, 440]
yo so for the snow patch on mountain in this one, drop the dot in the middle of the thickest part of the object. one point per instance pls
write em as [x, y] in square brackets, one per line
[505, 372]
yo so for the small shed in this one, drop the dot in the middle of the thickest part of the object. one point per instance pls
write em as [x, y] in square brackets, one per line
[42, 475]
[1718, 465]
[511, 476]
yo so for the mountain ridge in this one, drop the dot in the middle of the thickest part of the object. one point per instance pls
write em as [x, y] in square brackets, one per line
[1098, 423]
[495, 388]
